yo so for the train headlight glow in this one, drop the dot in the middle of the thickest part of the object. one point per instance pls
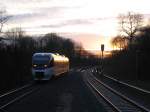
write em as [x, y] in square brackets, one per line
[34, 65]
[45, 65]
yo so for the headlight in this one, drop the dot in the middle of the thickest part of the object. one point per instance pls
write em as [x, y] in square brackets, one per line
[34, 65]
[45, 65]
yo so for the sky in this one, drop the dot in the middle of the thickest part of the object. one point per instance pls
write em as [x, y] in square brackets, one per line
[89, 22]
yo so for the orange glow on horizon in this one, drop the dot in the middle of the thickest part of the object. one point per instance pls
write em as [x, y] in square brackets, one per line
[91, 42]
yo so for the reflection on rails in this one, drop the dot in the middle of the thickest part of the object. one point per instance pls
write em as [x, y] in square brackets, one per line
[116, 100]
[15, 95]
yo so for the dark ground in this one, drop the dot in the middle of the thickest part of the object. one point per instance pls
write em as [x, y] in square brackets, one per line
[68, 93]
[126, 74]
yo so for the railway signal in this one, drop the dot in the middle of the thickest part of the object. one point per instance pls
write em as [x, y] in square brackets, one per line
[101, 64]
[102, 49]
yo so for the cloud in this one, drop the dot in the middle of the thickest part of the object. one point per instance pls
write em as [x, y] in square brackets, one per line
[21, 18]
[78, 21]
[70, 22]
[37, 14]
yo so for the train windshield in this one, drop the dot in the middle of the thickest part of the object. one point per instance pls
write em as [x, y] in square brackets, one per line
[41, 59]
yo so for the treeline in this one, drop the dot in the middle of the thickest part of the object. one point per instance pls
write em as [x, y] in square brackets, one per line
[130, 57]
[16, 50]
[132, 61]
[15, 61]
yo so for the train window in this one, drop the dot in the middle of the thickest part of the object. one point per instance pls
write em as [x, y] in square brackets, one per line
[40, 60]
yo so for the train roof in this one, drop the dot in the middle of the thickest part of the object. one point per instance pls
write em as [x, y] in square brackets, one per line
[56, 56]
[47, 54]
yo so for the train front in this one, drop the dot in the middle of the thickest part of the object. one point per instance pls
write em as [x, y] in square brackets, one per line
[42, 66]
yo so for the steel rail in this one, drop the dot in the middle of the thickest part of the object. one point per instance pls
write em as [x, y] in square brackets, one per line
[109, 102]
[16, 99]
[16, 96]
[129, 85]
[124, 97]
[15, 90]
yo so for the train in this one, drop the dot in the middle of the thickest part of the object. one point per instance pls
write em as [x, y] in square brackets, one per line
[48, 65]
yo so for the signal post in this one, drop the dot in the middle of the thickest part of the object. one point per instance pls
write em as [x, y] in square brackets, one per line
[102, 58]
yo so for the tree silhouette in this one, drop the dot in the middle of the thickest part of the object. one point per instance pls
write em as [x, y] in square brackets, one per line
[14, 35]
[119, 42]
[143, 39]
[130, 24]
[3, 18]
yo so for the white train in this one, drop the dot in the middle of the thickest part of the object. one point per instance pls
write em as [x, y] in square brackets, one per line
[46, 65]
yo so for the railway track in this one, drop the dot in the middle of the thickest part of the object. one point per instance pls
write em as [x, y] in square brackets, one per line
[16, 95]
[116, 100]
[127, 85]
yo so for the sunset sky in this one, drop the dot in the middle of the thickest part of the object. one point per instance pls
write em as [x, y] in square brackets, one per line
[90, 22]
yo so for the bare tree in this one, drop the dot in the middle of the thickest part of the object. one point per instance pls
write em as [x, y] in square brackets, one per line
[130, 24]
[3, 18]
[15, 34]
[119, 42]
